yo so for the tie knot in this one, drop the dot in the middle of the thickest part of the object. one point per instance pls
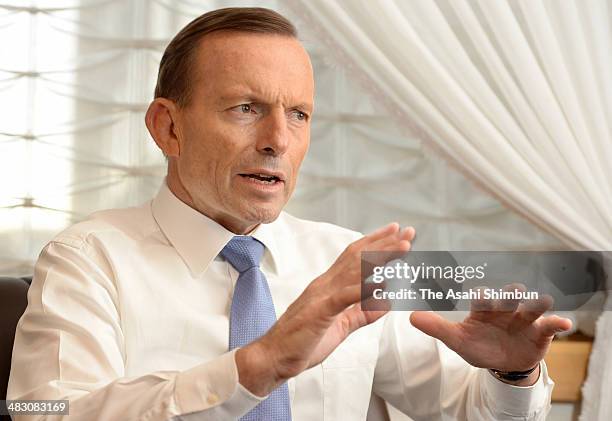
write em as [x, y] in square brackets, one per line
[243, 252]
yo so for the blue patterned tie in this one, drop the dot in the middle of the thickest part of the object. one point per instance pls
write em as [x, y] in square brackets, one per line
[251, 316]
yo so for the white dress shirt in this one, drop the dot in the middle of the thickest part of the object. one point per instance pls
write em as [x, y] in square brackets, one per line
[128, 318]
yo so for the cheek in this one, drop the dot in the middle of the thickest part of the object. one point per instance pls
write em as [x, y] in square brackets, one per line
[300, 151]
[227, 153]
[211, 146]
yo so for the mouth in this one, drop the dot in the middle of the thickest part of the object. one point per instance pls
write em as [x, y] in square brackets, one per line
[264, 178]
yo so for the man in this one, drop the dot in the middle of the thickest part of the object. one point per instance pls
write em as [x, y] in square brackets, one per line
[210, 303]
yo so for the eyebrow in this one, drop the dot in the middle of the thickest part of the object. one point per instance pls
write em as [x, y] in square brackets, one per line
[251, 97]
[305, 106]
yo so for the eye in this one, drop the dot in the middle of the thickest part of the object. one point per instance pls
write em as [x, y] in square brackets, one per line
[300, 115]
[246, 108]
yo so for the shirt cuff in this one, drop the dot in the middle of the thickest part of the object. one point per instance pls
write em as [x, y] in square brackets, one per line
[215, 384]
[523, 401]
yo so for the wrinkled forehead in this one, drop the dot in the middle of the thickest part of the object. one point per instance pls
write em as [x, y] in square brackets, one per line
[270, 65]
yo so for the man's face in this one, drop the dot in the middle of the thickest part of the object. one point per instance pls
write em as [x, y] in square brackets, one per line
[246, 128]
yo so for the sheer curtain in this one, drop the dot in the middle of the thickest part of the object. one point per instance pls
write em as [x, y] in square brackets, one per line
[517, 94]
[77, 75]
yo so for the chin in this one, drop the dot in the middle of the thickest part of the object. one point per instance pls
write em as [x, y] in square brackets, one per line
[262, 214]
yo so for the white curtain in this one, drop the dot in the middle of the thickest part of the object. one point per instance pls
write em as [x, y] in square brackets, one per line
[517, 94]
[77, 75]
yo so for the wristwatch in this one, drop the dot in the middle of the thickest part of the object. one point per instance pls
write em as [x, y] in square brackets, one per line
[513, 376]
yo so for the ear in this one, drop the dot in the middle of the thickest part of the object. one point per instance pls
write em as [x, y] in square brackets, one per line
[161, 118]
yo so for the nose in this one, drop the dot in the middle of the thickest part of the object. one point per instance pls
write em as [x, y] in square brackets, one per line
[273, 138]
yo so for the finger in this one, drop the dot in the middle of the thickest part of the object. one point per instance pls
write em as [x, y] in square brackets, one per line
[341, 299]
[389, 243]
[381, 232]
[348, 272]
[404, 234]
[531, 310]
[398, 249]
[369, 302]
[386, 249]
[481, 304]
[408, 233]
[433, 324]
[387, 239]
[510, 305]
[357, 317]
[360, 245]
[399, 244]
[386, 242]
[367, 289]
[551, 325]
[381, 254]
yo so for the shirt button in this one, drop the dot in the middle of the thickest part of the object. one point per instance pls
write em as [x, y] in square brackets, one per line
[212, 399]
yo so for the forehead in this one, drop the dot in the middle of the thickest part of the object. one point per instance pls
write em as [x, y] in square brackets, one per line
[267, 64]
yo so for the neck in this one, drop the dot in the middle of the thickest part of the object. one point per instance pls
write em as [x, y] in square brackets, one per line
[176, 186]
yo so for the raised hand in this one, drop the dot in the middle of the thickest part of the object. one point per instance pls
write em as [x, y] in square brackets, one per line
[506, 335]
[323, 316]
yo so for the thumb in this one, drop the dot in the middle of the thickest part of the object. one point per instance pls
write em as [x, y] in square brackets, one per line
[433, 324]
[358, 317]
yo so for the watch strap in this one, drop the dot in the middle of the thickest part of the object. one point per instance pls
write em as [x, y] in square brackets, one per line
[513, 376]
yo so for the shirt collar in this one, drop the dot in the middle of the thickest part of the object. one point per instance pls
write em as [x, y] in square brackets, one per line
[270, 235]
[199, 239]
